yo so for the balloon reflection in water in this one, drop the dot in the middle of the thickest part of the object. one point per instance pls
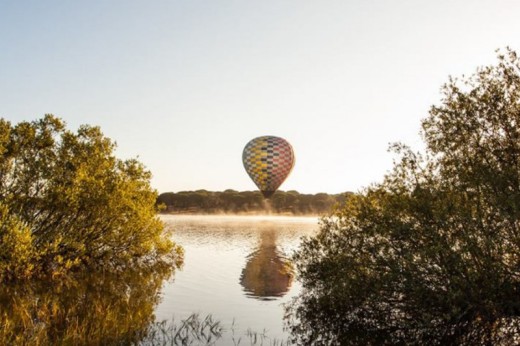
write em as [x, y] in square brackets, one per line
[267, 274]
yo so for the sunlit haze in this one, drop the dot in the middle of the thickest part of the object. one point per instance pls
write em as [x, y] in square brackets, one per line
[184, 85]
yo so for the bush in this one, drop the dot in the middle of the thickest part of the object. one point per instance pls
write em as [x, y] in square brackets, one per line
[67, 202]
[432, 254]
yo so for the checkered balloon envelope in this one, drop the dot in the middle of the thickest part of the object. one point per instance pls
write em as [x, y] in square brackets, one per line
[268, 160]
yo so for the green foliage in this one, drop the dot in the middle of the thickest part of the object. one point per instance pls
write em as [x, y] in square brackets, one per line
[67, 201]
[432, 254]
[231, 201]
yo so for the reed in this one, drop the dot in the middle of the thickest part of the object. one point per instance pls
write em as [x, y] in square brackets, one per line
[206, 331]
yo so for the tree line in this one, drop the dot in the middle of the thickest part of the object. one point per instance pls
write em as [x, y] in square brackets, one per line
[232, 201]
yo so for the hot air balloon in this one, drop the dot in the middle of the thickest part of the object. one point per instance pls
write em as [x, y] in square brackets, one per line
[268, 160]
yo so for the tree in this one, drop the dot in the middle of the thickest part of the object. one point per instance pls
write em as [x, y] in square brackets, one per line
[66, 201]
[431, 255]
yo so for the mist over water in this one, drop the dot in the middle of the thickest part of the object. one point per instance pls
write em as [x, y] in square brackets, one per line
[236, 268]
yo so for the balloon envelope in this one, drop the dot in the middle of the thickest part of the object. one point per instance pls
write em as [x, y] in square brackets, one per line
[268, 160]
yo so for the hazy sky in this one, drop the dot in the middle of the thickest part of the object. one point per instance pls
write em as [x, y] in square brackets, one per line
[184, 85]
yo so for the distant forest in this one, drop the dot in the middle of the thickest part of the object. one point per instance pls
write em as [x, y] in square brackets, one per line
[231, 201]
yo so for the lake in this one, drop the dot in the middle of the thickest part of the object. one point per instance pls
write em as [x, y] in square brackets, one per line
[236, 268]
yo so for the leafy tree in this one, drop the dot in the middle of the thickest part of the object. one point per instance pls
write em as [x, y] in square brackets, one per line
[66, 201]
[431, 255]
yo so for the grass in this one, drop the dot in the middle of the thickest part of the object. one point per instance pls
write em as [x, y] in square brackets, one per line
[198, 331]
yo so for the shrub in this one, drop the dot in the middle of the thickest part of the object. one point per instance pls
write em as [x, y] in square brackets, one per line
[68, 202]
[432, 254]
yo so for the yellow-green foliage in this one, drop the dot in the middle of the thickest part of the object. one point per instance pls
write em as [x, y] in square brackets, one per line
[67, 201]
[16, 252]
[91, 308]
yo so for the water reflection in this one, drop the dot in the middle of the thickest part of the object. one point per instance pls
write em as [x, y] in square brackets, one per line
[123, 308]
[217, 252]
[267, 274]
[97, 308]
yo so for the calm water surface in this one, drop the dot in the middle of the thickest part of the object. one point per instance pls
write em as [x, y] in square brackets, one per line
[235, 268]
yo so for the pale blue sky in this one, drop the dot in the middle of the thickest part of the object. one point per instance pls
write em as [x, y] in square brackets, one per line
[184, 85]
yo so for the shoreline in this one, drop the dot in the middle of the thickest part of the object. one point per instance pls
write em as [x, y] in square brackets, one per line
[199, 213]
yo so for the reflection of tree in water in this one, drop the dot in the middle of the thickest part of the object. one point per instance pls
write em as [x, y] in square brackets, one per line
[96, 309]
[267, 273]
